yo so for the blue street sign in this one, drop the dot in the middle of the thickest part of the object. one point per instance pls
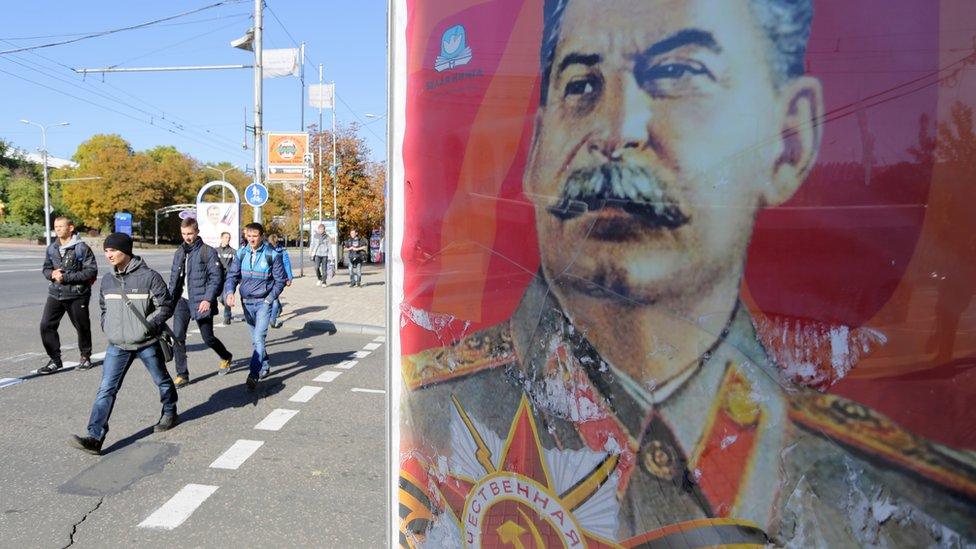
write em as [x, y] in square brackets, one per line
[123, 223]
[256, 195]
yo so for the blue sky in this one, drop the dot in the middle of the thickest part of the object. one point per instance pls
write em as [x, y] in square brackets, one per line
[200, 112]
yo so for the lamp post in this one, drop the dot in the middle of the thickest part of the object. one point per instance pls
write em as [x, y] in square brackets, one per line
[223, 177]
[47, 197]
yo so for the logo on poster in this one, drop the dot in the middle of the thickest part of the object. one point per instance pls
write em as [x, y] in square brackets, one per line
[454, 49]
[287, 149]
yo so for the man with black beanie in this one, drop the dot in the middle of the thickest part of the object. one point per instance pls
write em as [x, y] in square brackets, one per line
[135, 304]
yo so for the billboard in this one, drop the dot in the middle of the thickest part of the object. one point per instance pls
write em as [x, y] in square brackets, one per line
[216, 218]
[683, 273]
[286, 156]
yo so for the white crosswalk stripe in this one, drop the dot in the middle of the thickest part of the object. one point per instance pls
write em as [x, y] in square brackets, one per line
[236, 455]
[305, 394]
[372, 346]
[347, 364]
[276, 420]
[327, 377]
[179, 508]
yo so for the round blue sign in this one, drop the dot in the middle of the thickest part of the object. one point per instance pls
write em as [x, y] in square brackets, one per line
[256, 195]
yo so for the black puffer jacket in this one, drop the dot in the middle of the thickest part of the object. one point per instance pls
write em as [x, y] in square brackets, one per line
[77, 261]
[204, 279]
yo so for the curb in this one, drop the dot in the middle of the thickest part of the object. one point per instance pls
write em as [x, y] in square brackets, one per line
[331, 327]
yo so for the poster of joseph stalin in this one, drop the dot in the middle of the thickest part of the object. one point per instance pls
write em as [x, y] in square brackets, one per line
[628, 402]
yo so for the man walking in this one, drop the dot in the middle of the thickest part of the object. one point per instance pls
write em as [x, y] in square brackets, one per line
[260, 272]
[135, 305]
[319, 250]
[356, 247]
[226, 254]
[280, 250]
[195, 283]
[70, 266]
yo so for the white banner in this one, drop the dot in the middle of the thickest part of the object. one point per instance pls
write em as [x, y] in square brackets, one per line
[283, 62]
[321, 96]
[217, 218]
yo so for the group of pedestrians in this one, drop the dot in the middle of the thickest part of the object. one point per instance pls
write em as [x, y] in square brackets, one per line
[355, 246]
[135, 304]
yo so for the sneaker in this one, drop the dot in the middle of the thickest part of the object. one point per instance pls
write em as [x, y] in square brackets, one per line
[224, 367]
[166, 423]
[181, 381]
[264, 372]
[318, 283]
[86, 364]
[86, 444]
[226, 322]
[277, 324]
[251, 383]
[49, 368]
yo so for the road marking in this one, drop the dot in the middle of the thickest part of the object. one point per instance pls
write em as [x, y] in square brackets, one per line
[372, 346]
[21, 357]
[65, 366]
[194, 332]
[9, 381]
[360, 354]
[305, 394]
[179, 508]
[18, 271]
[98, 356]
[327, 377]
[237, 454]
[380, 339]
[276, 419]
[347, 364]
[377, 391]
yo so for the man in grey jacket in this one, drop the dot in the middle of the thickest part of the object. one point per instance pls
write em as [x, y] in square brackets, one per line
[132, 296]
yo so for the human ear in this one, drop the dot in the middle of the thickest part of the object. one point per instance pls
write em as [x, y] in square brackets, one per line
[801, 131]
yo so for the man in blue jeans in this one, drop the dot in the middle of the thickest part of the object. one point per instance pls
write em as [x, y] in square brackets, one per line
[260, 272]
[135, 304]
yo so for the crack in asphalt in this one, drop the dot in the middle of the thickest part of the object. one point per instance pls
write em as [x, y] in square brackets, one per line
[74, 528]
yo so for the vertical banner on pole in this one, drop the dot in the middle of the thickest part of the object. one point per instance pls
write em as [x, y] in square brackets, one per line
[675, 274]
[217, 218]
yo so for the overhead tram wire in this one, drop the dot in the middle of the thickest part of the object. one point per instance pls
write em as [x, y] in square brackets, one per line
[183, 23]
[122, 29]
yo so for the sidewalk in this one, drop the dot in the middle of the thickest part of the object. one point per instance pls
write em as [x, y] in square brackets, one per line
[336, 306]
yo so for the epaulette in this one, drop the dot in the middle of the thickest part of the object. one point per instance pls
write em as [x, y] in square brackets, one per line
[488, 348]
[871, 433]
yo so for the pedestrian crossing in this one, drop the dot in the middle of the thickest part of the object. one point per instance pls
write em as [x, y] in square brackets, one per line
[180, 508]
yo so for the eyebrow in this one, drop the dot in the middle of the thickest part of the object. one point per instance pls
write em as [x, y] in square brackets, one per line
[685, 37]
[588, 59]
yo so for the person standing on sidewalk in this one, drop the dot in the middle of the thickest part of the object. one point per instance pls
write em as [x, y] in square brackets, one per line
[280, 250]
[319, 250]
[195, 282]
[356, 247]
[135, 305]
[70, 266]
[260, 272]
[226, 254]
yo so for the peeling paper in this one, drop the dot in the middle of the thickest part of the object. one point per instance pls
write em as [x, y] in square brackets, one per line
[444, 326]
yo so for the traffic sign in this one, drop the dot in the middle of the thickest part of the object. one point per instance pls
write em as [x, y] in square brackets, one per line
[256, 195]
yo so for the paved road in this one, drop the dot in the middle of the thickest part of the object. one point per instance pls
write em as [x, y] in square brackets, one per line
[298, 463]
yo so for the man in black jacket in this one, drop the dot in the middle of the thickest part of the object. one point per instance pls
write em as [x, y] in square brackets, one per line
[195, 282]
[70, 266]
[226, 253]
[135, 306]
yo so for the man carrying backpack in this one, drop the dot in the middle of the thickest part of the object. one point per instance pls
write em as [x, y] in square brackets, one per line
[260, 272]
[195, 282]
[70, 266]
[226, 254]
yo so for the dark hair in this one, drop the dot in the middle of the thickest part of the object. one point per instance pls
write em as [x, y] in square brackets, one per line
[255, 227]
[189, 223]
[224, 233]
[786, 23]
[66, 218]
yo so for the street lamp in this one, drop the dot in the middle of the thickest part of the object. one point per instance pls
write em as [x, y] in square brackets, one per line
[47, 198]
[223, 177]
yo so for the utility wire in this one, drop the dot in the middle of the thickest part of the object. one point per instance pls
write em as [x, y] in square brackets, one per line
[113, 31]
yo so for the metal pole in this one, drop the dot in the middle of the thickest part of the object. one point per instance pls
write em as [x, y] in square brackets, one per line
[301, 215]
[335, 173]
[258, 76]
[156, 230]
[47, 198]
[320, 146]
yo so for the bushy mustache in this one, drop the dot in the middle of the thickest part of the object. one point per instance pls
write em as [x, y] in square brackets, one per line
[633, 189]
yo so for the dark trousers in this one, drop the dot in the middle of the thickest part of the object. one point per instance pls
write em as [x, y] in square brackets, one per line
[181, 321]
[321, 267]
[117, 362]
[77, 310]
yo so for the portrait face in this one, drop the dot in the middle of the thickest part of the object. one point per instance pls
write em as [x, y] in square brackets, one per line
[189, 234]
[253, 237]
[664, 130]
[213, 214]
[63, 228]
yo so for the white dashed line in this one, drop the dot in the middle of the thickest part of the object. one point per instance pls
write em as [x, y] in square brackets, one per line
[237, 454]
[9, 381]
[179, 508]
[380, 339]
[360, 354]
[98, 356]
[194, 331]
[327, 377]
[346, 364]
[377, 391]
[372, 346]
[305, 394]
[276, 420]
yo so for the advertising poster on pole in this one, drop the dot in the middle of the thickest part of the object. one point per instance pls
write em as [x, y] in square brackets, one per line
[216, 218]
[683, 274]
[286, 156]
